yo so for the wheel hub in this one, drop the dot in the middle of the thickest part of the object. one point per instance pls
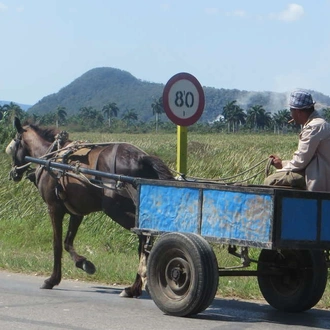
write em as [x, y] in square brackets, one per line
[176, 274]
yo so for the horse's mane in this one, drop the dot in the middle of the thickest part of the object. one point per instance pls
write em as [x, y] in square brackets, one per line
[47, 134]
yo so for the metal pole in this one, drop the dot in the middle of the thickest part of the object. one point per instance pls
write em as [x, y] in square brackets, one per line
[181, 165]
[55, 165]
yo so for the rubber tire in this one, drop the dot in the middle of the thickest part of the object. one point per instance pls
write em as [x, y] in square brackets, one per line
[212, 273]
[302, 284]
[182, 274]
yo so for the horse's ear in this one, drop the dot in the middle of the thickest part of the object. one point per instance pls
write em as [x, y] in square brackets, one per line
[18, 126]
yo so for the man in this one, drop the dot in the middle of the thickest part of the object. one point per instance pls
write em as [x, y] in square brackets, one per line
[309, 167]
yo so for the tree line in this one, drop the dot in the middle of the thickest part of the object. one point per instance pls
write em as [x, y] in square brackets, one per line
[87, 117]
[110, 118]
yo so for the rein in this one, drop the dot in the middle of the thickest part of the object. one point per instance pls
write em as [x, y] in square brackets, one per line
[226, 181]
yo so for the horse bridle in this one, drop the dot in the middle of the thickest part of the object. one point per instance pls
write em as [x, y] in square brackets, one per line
[16, 171]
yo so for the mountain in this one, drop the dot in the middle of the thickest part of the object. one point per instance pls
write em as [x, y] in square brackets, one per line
[23, 106]
[100, 86]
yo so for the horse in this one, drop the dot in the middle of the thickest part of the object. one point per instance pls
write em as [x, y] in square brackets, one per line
[78, 195]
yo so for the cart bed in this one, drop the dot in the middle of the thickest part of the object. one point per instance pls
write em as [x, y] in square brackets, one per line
[259, 216]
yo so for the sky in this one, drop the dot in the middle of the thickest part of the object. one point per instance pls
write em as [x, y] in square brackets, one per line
[252, 45]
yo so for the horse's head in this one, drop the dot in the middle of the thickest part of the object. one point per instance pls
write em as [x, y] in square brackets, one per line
[32, 140]
[18, 150]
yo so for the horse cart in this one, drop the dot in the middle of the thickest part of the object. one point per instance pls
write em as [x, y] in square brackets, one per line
[291, 227]
[183, 219]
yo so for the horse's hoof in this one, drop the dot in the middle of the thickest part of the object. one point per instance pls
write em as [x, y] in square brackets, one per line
[125, 294]
[47, 285]
[88, 267]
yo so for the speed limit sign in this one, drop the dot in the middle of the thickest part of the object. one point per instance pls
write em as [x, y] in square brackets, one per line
[183, 99]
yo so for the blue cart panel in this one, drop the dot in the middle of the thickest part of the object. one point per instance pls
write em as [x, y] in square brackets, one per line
[242, 215]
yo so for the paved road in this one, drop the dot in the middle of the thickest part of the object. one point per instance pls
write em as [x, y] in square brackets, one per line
[87, 306]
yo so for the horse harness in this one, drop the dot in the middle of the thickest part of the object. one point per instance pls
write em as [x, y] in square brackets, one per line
[71, 156]
[69, 153]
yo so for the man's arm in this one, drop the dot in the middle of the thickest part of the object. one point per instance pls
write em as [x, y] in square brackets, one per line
[307, 146]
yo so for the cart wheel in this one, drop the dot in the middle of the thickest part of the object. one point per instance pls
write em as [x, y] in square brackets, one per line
[293, 280]
[212, 273]
[182, 274]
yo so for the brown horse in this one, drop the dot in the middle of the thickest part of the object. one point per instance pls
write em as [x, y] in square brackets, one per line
[76, 195]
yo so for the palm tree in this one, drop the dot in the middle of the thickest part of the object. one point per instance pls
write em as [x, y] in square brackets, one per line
[12, 110]
[91, 115]
[130, 116]
[86, 113]
[227, 111]
[157, 109]
[60, 114]
[258, 117]
[98, 118]
[280, 119]
[110, 110]
[233, 115]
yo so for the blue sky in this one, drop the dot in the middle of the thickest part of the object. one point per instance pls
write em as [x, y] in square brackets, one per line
[253, 45]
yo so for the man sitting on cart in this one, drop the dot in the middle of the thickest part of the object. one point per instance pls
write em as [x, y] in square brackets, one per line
[309, 167]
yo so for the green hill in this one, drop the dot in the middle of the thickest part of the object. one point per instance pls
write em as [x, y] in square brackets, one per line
[101, 86]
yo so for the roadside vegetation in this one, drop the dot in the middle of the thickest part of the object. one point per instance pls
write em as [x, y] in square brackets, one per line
[232, 118]
[25, 230]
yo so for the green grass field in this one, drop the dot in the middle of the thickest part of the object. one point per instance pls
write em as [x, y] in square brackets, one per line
[25, 230]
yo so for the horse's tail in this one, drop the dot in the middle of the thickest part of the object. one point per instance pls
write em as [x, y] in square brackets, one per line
[156, 167]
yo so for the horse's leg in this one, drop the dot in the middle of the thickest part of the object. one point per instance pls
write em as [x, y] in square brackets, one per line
[141, 277]
[80, 261]
[56, 215]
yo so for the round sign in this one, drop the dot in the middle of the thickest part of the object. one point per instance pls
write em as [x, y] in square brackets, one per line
[183, 99]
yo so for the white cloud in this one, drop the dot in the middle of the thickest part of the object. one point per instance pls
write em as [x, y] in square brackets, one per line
[239, 13]
[3, 7]
[292, 13]
[20, 9]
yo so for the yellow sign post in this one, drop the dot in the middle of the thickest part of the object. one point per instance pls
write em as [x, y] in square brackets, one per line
[184, 100]
[182, 145]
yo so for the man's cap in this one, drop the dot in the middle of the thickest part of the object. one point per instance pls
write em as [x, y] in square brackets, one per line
[301, 99]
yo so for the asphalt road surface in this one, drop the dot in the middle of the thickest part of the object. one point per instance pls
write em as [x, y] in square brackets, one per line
[79, 305]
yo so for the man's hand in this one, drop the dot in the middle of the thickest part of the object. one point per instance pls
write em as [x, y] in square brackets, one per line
[276, 161]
